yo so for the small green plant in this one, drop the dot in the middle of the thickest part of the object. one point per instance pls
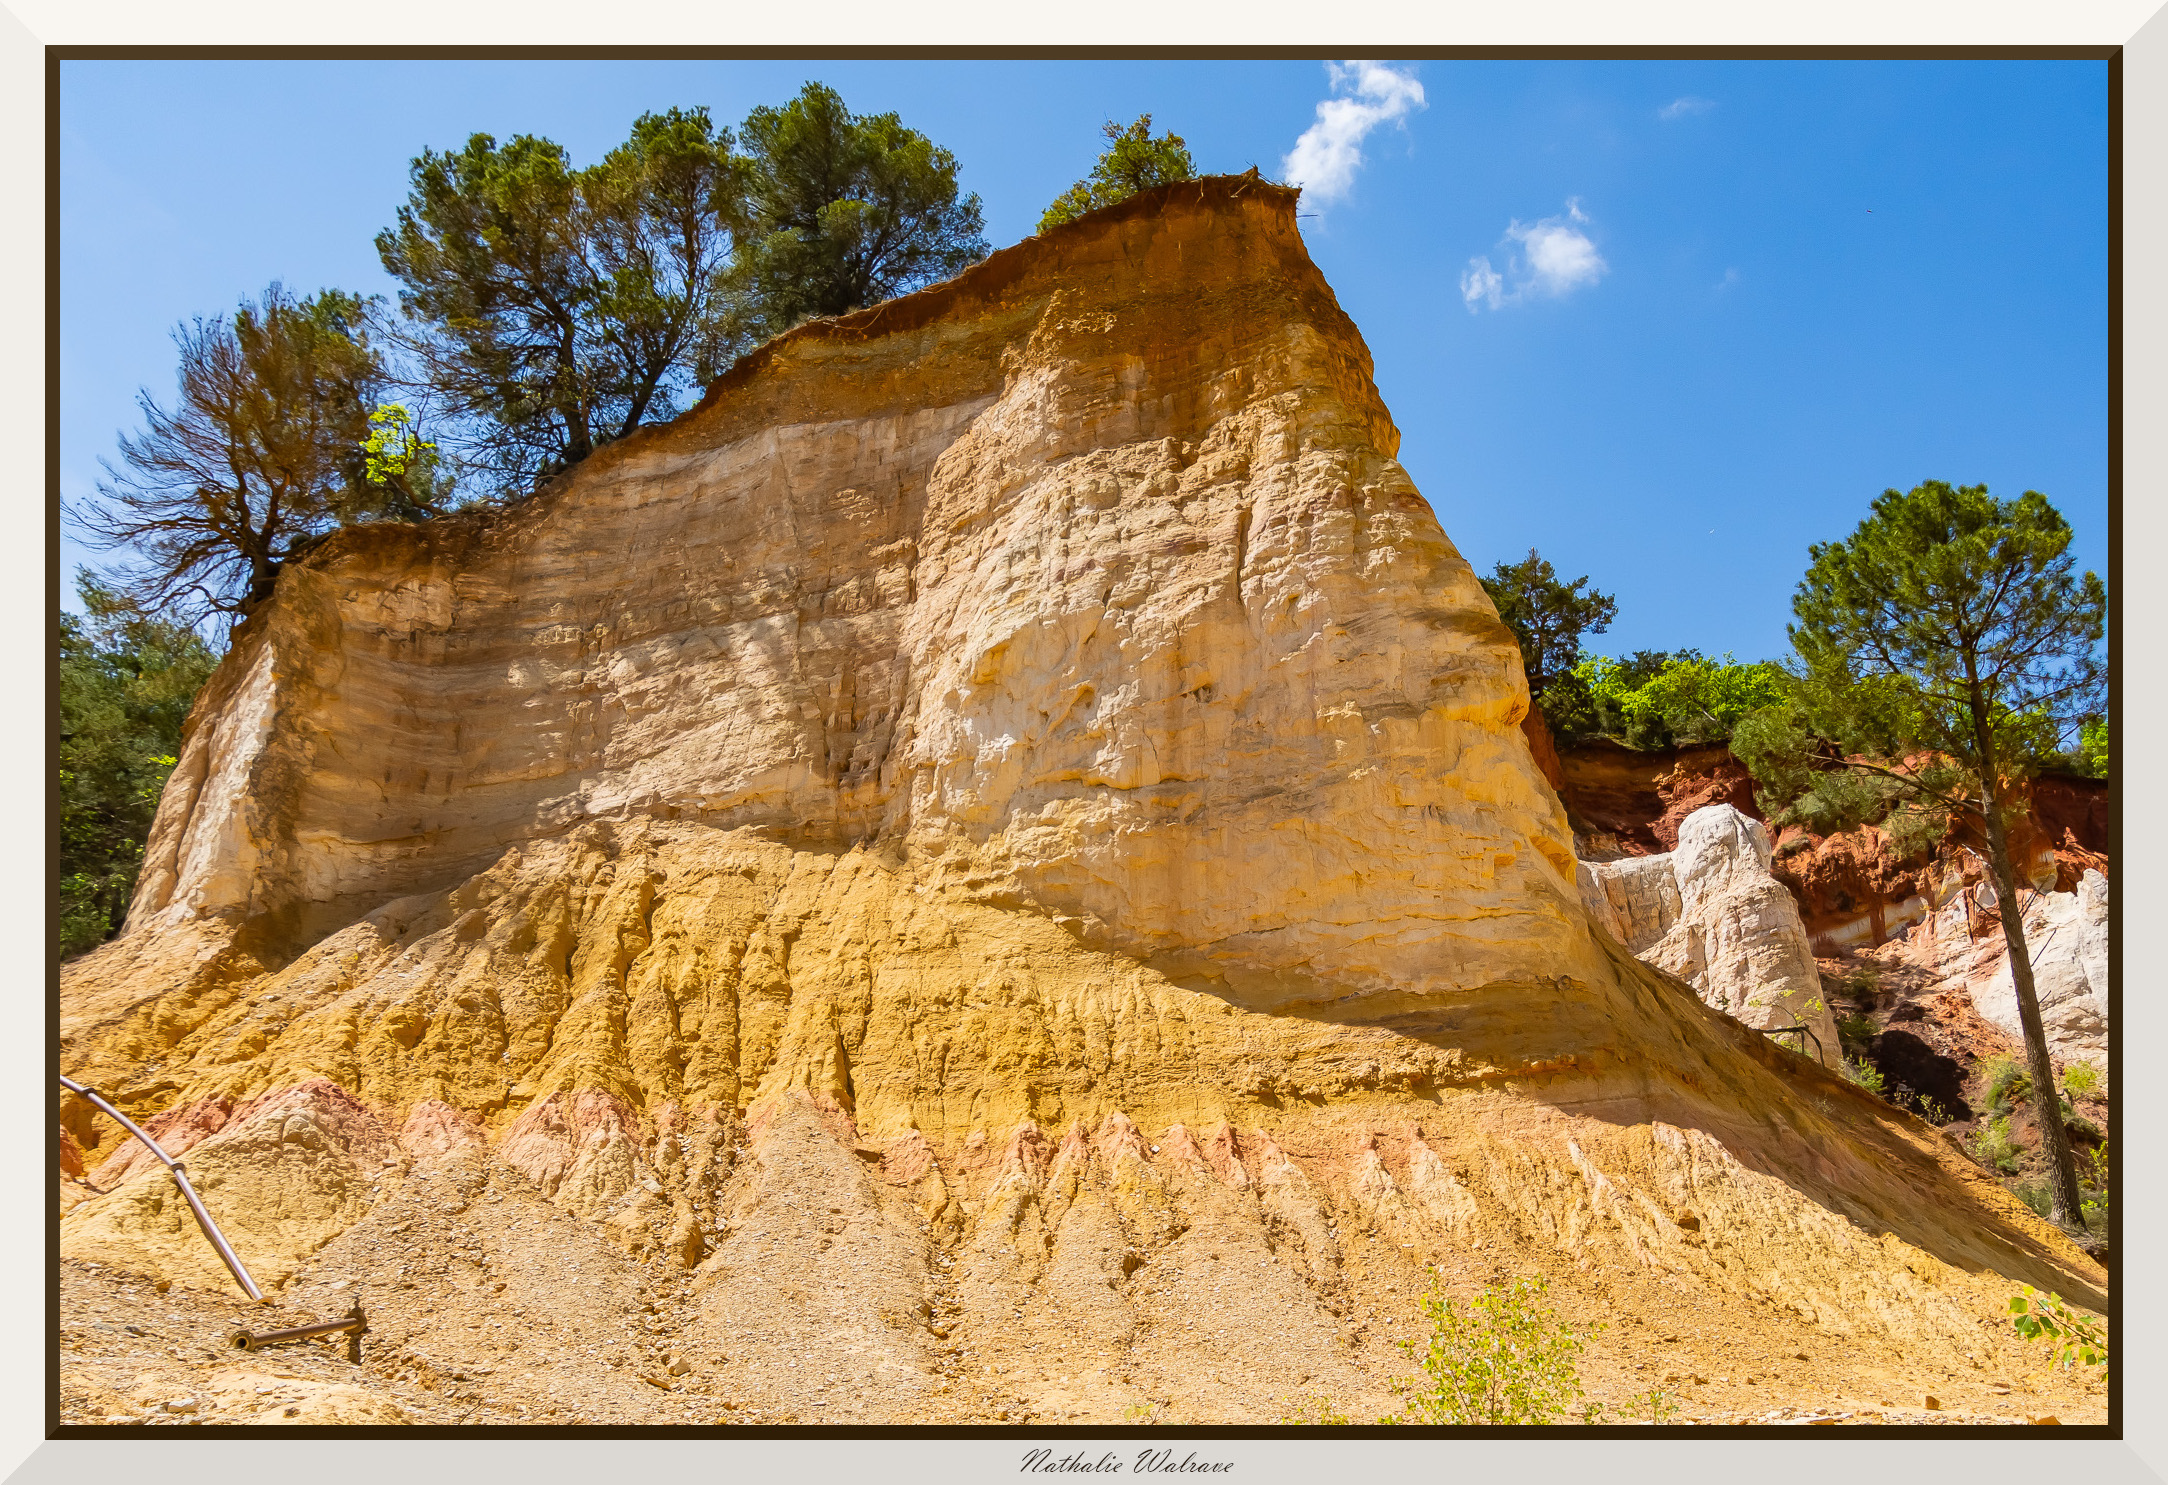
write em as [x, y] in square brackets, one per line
[1656, 1404]
[1856, 1028]
[2006, 1082]
[1314, 1408]
[2081, 1080]
[1866, 1075]
[2035, 1194]
[2078, 1339]
[1506, 1358]
[2093, 1186]
[1993, 1147]
[1932, 1111]
[1150, 1412]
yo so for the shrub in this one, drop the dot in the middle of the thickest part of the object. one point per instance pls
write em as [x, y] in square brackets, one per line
[1866, 1075]
[1993, 1147]
[1856, 1028]
[2035, 1194]
[1506, 1358]
[1652, 700]
[2077, 1339]
[2081, 1080]
[2006, 1082]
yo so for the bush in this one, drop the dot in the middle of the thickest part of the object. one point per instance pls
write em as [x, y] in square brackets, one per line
[2076, 1339]
[1654, 700]
[1866, 1075]
[1993, 1147]
[1506, 1358]
[1856, 1028]
[1932, 1111]
[2006, 1082]
[1133, 161]
[2081, 1080]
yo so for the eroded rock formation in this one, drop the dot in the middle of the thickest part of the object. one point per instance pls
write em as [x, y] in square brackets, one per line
[989, 870]
[1711, 913]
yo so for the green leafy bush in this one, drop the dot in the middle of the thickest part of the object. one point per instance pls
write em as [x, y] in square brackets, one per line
[2091, 758]
[2081, 1080]
[1653, 700]
[2077, 1339]
[2036, 1194]
[1856, 1028]
[1132, 161]
[2006, 1083]
[1867, 1076]
[1993, 1147]
[1507, 1357]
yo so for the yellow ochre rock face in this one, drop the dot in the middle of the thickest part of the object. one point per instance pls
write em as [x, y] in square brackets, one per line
[1010, 804]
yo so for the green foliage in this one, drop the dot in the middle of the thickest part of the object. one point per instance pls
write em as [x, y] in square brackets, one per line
[2075, 1338]
[2092, 752]
[404, 467]
[2005, 1082]
[1548, 618]
[1993, 1147]
[1505, 1358]
[2081, 1080]
[2093, 1175]
[1867, 1076]
[260, 456]
[126, 681]
[1133, 161]
[1931, 1109]
[1654, 700]
[1656, 1405]
[2035, 1194]
[840, 212]
[1943, 646]
[1856, 1028]
[553, 309]
[1315, 1409]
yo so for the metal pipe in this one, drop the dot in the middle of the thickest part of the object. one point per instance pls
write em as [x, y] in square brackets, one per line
[180, 1179]
[252, 1340]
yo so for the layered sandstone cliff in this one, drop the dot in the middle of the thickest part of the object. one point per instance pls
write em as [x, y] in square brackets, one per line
[1001, 839]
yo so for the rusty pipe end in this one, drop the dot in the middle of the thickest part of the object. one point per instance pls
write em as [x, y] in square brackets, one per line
[241, 1340]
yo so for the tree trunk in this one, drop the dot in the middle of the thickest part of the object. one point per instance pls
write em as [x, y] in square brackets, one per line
[2047, 1098]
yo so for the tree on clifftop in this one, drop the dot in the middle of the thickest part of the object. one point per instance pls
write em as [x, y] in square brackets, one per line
[265, 450]
[840, 212]
[1548, 618]
[553, 310]
[1944, 647]
[1132, 161]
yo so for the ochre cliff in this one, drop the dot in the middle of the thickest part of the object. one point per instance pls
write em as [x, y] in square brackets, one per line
[993, 864]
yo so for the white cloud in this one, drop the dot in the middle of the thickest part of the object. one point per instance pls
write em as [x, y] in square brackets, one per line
[1326, 157]
[1555, 257]
[1679, 108]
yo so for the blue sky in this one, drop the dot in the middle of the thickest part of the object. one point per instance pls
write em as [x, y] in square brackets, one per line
[1719, 305]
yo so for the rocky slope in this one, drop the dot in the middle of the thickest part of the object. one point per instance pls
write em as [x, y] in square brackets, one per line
[988, 871]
